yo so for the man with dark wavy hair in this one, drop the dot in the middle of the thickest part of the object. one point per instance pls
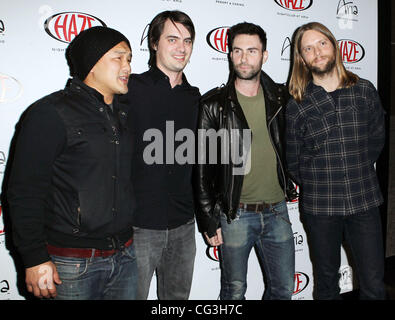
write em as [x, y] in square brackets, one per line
[161, 98]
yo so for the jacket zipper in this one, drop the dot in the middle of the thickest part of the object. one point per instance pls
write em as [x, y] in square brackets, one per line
[275, 150]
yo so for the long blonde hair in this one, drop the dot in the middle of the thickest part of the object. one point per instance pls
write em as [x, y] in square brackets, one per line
[301, 75]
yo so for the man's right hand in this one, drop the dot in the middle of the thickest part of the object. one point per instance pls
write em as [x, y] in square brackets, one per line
[215, 240]
[41, 279]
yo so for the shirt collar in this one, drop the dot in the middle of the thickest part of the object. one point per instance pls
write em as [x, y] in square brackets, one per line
[157, 75]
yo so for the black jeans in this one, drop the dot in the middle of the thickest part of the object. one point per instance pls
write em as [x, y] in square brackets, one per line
[363, 235]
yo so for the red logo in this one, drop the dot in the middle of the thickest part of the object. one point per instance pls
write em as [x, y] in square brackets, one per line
[351, 51]
[301, 280]
[66, 25]
[212, 253]
[218, 39]
[1, 223]
[294, 5]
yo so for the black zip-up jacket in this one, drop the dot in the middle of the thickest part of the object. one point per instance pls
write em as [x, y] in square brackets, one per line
[70, 182]
[217, 188]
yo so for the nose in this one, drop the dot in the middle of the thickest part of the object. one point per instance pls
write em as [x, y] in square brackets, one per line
[126, 66]
[181, 46]
[243, 57]
[317, 51]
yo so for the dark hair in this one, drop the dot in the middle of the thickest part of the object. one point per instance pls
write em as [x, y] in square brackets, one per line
[246, 28]
[156, 27]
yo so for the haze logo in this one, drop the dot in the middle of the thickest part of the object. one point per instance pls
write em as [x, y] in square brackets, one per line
[295, 5]
[65, 26]
[217, 39]
[297, 191]
[4, 286]
[351, 51]
[10, 88]
[212, 253]
[2, 231]
[286, 49]
[301, 281]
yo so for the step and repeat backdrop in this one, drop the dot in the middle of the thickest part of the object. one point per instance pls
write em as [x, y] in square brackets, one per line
[35, 34]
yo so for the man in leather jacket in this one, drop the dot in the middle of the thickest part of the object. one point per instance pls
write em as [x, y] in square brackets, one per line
[238, 210]
[70, 194]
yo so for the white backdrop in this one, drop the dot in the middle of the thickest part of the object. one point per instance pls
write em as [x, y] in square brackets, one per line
[32, 64]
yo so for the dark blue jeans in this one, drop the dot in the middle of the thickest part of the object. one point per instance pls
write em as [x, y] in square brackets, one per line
[363, 234]
[271, 234]
[171, 253]
[98, 278]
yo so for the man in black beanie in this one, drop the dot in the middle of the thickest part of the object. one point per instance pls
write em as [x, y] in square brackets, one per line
[70, 194]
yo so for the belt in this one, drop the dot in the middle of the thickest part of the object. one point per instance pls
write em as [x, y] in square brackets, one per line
[84, 252]
[256, 207]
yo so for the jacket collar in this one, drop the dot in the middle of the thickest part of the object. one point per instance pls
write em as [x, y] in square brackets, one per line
[78, 85]
[271, 93]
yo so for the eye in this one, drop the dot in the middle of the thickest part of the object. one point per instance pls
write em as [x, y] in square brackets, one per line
[188, 41]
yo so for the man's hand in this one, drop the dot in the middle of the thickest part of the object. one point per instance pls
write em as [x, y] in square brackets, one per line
[215, 240]
[41, 279]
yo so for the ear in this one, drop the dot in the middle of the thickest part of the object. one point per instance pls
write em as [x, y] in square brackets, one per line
[265, 56]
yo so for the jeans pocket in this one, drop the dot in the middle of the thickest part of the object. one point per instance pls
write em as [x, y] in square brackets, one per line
[70, 268]
[129, 252]
[281, 211]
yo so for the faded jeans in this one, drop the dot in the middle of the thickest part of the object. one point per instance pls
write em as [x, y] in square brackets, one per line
[98, 278]
[171, 253]
[271, 234]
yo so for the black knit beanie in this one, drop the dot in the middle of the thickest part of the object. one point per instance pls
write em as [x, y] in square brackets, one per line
[88, 47]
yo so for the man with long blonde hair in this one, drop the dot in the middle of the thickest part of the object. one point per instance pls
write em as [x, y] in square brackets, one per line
[335, 133]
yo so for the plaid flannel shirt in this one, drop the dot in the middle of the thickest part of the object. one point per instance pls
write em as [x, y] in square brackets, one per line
[332, 148]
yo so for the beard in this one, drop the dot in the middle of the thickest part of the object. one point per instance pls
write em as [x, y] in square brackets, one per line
[250, 75]
[326, 69]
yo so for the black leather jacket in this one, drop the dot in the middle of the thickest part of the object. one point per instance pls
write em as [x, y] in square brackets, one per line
[217, 188]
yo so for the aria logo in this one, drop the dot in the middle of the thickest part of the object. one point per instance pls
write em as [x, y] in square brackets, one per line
[295, 5]
[286, 49]
[301, 281]
[4, 286]
[346, 8]
[144, 35]
[65, 26]
[351, 51]
[217, 39]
